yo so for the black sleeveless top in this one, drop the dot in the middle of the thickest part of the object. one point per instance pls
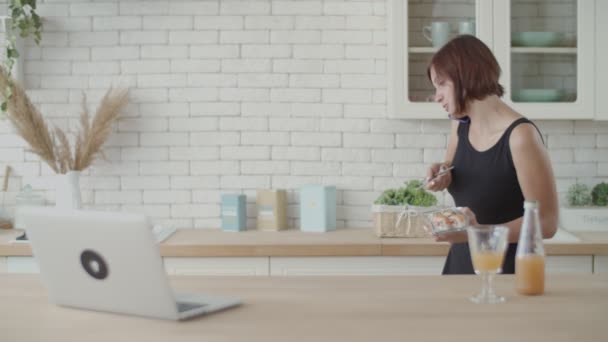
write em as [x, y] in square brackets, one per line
[486, 182]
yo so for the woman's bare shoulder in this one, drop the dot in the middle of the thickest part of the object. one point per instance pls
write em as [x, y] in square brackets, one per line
[523, 135]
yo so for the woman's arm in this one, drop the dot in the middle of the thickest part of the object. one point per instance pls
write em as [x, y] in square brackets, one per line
[452, 143]
[442, 182]
[535, 177]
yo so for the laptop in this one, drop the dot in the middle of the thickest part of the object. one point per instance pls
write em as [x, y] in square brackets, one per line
[108, 261]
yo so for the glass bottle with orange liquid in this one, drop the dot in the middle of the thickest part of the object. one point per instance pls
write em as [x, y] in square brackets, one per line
[530, 256]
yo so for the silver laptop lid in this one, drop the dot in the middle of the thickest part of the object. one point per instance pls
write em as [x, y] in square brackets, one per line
[105, 261]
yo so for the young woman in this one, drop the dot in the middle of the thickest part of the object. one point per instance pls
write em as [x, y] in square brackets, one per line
[498, 155]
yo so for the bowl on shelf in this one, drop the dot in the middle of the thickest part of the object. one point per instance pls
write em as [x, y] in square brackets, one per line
[538, 95]
[532, 38]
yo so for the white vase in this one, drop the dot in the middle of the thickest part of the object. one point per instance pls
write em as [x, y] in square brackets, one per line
[67, 195]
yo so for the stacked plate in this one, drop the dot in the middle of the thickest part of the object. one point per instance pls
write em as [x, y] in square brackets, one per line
[537, 39]
[538, 95]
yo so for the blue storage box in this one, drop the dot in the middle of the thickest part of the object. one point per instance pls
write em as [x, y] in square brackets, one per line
[234, 212]
[317, 208]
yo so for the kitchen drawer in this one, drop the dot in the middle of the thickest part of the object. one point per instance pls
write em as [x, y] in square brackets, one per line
[217, 266]
[600, 264]
[565, 264]
[21, 264]
[378, 266]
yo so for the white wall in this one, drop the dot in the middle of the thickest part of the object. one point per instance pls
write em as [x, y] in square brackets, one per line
[230, 96]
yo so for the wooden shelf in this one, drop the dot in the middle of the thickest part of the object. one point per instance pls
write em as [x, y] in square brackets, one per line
[548, 50]
[422, 49]
[518, 49]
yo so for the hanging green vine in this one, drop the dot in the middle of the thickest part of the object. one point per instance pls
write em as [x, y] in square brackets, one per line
[23, 19]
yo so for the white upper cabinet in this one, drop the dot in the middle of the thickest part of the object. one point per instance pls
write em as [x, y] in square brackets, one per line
[546, 49]
[601, 60]
[411, 24]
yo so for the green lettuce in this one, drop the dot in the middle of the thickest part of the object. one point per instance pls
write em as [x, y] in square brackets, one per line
[411, 194]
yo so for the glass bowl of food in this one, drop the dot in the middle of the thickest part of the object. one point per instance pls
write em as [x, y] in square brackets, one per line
[446, 221]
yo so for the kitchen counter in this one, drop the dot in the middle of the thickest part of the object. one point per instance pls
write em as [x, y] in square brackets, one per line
[342, 242]
[412, 308]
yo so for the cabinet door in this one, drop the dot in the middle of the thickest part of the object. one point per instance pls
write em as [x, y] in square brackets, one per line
[3, 267]
[601, 58]
[22, 264]
[369, 266]
[411, 93]
[600, 264]
[569, 264]
[217, 266]
[546, 51]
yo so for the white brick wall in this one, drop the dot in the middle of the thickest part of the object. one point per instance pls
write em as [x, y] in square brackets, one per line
[231, 96]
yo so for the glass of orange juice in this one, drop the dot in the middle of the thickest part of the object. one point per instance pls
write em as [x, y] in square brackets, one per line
[488, 245]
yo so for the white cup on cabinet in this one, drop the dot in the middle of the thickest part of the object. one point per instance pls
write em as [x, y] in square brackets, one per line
[466, 27]
[438, 33]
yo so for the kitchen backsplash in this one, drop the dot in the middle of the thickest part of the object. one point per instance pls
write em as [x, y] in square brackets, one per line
[232, 96]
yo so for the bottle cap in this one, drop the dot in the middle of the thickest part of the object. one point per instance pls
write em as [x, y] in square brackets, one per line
[530, 204]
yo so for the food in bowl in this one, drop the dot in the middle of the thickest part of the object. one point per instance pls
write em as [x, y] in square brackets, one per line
[447, 221]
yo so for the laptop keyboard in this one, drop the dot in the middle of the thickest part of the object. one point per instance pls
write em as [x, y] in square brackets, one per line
[183, 306]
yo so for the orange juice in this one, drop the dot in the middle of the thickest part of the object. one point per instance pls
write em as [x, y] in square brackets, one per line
[530, 274]
[487, 261]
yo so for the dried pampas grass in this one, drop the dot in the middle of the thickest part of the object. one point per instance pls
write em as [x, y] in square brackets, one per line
[53, 146]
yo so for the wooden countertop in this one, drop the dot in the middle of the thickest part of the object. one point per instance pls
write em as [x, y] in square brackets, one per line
[342, 242]
[414, 308]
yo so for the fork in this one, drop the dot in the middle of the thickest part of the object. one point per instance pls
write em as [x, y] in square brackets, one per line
[442, 171]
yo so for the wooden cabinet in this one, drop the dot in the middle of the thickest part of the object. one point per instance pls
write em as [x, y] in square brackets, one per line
[546, 49]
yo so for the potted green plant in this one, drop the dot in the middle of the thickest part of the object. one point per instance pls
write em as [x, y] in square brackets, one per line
[22, 22]
[587, 208]
[400, 212]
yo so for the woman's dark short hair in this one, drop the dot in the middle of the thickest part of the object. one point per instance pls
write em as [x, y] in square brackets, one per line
[471, 66]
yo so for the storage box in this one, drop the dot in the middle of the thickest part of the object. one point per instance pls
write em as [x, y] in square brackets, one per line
[401, 221]
[272, 210]
[584, 219]
[234, 212]
[317, 208]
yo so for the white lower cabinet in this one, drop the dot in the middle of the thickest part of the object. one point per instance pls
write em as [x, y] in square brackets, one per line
[21, 264]
[600, 264]
[295, 266]
[408, 265]
[563, 264]
[218, 266]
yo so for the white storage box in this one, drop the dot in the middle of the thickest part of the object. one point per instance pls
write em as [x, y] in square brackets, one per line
[584, 218]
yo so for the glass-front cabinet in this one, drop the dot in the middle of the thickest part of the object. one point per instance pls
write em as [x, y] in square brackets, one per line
[548, 59]
[601, 56]
[544, 47]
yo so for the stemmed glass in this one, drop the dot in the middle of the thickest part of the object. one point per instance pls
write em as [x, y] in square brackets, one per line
[487, 245]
